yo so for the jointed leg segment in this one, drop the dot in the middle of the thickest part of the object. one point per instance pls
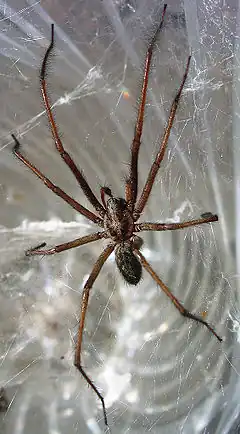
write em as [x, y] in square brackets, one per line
[66, 246]
[85, 296]
[148, 226]
[65, 156]
[58, 191]
[156, 164]
[132, 182]
[175, 301]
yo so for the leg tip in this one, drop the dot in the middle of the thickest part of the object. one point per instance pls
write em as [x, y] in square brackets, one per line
[16, 145]
[34, 250]
[52, 33]
[208, 215]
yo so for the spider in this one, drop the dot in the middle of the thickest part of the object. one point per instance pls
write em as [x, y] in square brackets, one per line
[117, 217]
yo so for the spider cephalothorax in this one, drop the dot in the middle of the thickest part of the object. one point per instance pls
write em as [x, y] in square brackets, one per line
[118, 220]
[117, 217]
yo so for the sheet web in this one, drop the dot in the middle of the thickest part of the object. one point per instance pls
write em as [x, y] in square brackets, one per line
[158, 371]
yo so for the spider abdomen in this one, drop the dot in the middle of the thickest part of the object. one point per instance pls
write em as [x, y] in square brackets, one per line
[128, 264]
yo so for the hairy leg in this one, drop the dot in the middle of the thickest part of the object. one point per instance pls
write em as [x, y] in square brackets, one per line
[66, 246]
[55, 189]
[65, 156]
[159, 157]
[131, 188]
[85, 296]
[148, 226]
[175, 301]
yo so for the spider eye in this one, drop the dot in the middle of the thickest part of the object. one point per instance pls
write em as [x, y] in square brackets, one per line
[128, 264]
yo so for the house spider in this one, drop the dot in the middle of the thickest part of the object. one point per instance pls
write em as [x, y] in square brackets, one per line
[116, 216]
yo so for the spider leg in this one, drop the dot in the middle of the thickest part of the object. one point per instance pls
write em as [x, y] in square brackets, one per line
[131, 188]
[147, 226]
[65, 156]
[85, 296]
[81, 209]
[159, 157]
[175, 301]
[66, 246]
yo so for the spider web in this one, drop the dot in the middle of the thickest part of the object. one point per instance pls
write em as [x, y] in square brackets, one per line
[159, 373]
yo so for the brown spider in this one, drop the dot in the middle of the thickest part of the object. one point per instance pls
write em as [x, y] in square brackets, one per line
[117, 216]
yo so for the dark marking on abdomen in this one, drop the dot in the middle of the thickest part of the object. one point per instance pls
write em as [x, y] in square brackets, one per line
[128, 264]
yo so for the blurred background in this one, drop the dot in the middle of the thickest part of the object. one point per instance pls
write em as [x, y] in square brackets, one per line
[158, 372]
